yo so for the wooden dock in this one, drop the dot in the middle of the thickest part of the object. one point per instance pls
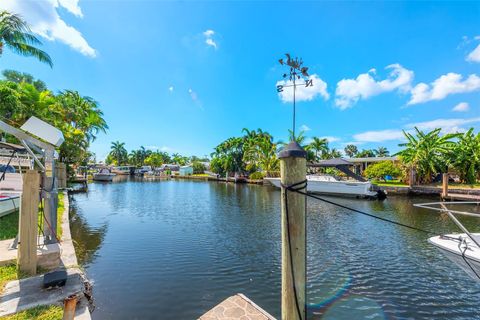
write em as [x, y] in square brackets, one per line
[461, 197]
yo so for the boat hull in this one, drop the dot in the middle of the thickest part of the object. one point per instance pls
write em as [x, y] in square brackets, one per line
[342, 188]
[469, 262]
[103, 177]
[9, 204]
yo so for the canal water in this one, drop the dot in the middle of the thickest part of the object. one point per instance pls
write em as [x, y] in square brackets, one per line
[175, 249]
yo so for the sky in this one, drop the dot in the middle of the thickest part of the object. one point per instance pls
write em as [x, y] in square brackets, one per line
[184, 76]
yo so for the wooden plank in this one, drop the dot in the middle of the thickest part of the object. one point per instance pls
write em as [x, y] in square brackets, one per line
[27, 249]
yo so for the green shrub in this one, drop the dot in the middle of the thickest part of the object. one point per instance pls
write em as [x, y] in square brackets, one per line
[381, 169]
[198, 167]
[257, 175]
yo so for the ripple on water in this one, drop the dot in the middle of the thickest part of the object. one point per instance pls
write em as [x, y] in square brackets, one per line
[178, 248]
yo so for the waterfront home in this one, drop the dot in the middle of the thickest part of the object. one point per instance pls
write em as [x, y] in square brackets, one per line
[186, 171]
[169, 167]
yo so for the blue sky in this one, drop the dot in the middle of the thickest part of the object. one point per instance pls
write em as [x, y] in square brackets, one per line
[183, 76]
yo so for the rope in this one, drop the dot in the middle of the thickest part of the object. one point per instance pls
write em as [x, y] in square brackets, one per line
[464, 257]
[295, 187]
[365, 213]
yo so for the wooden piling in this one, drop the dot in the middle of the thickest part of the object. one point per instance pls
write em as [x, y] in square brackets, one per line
[293, 168]
[444, 185]
[61, 175]
[70, 305]
[28, 224]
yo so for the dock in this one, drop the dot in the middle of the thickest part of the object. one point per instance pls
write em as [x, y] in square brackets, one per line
[461, 197]
[237, 307]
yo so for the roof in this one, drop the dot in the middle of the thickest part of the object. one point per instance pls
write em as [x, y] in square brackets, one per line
[331, 163]
[372, 159]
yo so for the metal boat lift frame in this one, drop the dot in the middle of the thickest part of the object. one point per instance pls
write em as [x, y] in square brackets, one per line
[49, 190]
[451, 214]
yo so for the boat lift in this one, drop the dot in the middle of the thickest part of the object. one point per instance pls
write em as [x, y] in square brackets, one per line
[40, 140]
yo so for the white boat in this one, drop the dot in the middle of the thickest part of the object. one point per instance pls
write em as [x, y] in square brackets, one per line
[103, 175]
[122, 170]
[9, 203]
[329, 185]
[463, 249]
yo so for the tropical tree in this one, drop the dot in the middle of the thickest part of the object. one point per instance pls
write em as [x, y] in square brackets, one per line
[351, 150]
[118, 152]
[427, 153]
[319, 146]
[228, 156]
[365, 153]
[333, 154]
[17, 36]
[465, 156]
[260, 152]
[381, 152]
[19, 77]
[179, 159]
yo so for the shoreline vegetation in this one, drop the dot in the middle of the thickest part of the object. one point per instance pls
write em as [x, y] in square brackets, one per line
[254, 155]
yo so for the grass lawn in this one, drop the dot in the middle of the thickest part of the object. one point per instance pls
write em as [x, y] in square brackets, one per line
[200, 175]
[392, 183]
[39, 313]
[9, 223]
[9, 230]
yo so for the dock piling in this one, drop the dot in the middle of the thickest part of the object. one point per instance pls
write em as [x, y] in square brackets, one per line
[293, 168]
[27, 249]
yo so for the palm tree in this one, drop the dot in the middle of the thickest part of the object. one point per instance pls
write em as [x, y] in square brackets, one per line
[427, 152]
[351, 150]
[381, 152]
[365, 153]
[16, 35]
[118, 152]
[318, 145]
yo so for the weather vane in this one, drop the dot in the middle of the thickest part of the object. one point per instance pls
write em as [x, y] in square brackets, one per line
[296, 73]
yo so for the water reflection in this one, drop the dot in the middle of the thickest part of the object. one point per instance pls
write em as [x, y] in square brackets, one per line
[177, 248]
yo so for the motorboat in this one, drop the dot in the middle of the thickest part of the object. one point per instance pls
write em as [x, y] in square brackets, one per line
[325, 184]
[103, 174]
[357, 187]
[463, 249]
[123, 170]
[9, 203]
[11, 181]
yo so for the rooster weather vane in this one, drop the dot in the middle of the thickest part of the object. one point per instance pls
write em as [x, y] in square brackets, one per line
[296, 73]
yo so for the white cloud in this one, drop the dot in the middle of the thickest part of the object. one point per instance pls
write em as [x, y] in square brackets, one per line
[331, 139]
[447, 84]
[170, 88]
[379, 136]
[43, 17]
[304, 127]
[72, 7]
[447, 126]
[349, 91]
[209, 38]
[303, 93]
[461, 107]
[474, 56]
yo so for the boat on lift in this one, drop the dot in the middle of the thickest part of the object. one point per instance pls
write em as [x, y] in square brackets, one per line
[463, 249]
[103, 174]
[11, 182]
[359, 187]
